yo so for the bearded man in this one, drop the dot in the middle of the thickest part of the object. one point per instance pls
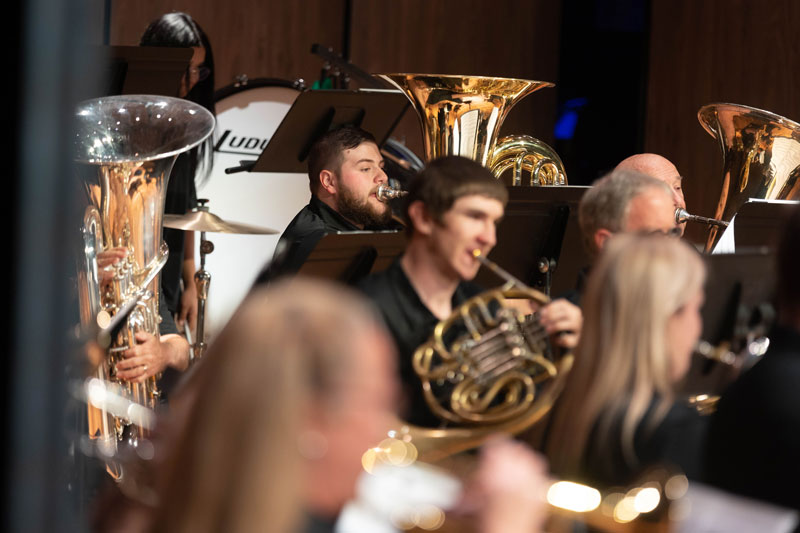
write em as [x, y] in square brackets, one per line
[345, 169]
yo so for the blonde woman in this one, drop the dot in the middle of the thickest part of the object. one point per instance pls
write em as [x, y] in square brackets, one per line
[617, 414]
[268, 433]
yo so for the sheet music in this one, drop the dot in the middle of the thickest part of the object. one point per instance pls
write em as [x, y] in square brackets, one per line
[711, 510]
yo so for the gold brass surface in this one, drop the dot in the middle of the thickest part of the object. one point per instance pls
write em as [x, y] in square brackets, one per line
[486, 369]
[525, 153]
[462, 115]
[761, 157]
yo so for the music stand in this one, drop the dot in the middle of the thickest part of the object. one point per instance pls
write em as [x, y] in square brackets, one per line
[735, 281]
[759, 223]
[145, 69]
[739, 290]
[539, 240]
[349, 257]
[314, 113]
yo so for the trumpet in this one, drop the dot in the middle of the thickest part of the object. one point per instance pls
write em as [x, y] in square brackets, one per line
[386, 193]
[681, 216]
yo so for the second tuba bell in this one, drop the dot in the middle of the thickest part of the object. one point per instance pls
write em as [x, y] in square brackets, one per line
[462, 115]
[761, 157]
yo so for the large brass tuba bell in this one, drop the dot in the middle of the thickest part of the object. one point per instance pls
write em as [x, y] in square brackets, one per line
[124, 148]
[462, 115]
[761, 157]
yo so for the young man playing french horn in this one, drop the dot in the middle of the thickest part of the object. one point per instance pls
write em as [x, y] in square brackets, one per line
[452, 209]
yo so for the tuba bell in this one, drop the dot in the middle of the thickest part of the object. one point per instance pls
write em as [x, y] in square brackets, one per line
[462, 115]
[761, 157]
[124, 149]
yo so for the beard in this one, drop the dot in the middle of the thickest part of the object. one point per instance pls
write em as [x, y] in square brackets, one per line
[360, 211]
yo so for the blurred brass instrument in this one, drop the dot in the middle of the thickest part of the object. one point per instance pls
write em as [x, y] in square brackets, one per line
[738, 362]
[125, 147]
[654, 504]
[761, 157]
[486, 369]
[462, 115]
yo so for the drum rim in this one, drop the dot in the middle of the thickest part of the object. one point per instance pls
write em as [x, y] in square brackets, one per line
[256, 83]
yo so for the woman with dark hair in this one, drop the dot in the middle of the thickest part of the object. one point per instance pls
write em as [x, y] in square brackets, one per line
[197, 85]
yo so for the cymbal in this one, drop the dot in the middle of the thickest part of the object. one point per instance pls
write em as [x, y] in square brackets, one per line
[199, 220]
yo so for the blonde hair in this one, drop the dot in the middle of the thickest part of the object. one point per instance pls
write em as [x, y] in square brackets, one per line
[621, 361]
[233, 464]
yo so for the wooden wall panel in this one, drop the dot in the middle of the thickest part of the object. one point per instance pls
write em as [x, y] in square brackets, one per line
[501, 38]
[273, 39]
[738, 51]
[257, 38]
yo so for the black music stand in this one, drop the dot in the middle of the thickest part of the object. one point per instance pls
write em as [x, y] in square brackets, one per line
[145, 69]
[739, 291]
[349, 257]
[735, 283]
[539, 240]
[759, 223]
[314, 113]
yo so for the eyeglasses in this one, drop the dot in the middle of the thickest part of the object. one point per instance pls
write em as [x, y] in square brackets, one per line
[198, 73]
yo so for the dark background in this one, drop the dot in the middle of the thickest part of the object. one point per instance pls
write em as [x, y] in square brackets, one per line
[630, 76]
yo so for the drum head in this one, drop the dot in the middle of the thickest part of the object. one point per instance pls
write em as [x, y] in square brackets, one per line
[247, 117]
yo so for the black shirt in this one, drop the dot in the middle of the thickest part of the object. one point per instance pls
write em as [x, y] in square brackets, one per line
[675, 442]
[181, 197]
[411, 323]
[303, 233]
[754, 436]
[301, 236]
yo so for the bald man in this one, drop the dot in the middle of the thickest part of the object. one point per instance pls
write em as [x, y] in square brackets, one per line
[662, 169]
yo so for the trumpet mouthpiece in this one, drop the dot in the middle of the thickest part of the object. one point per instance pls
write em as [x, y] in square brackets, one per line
[386, 193]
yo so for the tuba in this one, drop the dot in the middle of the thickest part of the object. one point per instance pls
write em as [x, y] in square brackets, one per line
[761, 157]
[124, 149]
[462, 115]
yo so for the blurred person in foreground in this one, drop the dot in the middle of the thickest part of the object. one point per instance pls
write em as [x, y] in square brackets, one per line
[269, 432]
[617, 415]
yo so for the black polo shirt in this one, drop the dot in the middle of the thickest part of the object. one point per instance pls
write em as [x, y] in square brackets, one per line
[303, 233]
[411, 323]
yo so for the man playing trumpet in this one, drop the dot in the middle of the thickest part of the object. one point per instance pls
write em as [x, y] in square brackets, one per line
[345, 169]
[452, 209]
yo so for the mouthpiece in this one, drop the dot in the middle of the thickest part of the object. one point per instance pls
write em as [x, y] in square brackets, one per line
[386, 193]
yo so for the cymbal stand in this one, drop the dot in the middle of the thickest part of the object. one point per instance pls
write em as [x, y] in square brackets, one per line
[202, 280]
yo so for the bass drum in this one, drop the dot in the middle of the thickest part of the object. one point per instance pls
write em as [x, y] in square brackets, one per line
[247, 116]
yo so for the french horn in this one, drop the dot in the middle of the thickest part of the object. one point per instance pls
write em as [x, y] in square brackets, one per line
[486, 369]
[124, 149]
[761, 157]
[462, 115]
